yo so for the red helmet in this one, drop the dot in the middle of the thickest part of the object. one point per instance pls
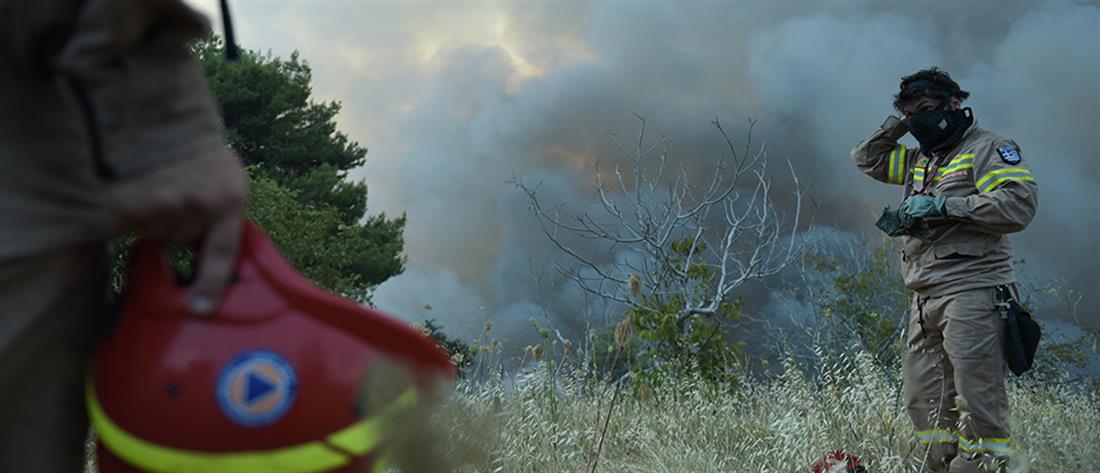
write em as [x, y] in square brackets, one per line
[839, 461]
[272, 381]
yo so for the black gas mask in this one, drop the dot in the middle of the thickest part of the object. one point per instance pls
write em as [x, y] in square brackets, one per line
[939, 128]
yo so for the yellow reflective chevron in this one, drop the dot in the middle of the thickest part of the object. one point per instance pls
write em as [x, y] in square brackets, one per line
[315, 456]
[994, 179]
[895, 172]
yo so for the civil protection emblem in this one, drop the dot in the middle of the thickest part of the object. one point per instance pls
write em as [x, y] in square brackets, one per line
[256, 388]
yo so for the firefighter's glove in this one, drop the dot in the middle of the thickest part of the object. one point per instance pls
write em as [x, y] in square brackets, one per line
[895, 222]
[922, 206]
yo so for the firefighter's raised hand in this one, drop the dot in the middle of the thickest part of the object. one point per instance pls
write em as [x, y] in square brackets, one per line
[197, 201]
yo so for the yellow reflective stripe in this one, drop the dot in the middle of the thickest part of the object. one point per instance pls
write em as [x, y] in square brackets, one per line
[998, 182]
[901, 165]
[962, 158]
[308, 457]
[983, 183]
[955, 169]
[994, 445]
[937, 436]
[358, 439]
[962, 161]
[896, 172]
[891, 169]
[365, 436]
[993, 174]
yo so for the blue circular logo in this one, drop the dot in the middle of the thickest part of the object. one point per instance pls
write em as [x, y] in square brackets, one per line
[256, 388]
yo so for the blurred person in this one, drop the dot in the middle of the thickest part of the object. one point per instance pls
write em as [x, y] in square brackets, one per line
[965, 189]
[107, 126]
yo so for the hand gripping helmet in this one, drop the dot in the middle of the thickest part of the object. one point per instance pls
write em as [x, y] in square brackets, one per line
[839, 461]
[273, 381]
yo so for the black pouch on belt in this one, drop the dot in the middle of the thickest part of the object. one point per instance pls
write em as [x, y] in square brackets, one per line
[1021, 333]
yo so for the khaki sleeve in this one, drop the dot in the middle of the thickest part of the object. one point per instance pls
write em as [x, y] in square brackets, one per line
[881, 156]
[143, 95]
[1008, 195]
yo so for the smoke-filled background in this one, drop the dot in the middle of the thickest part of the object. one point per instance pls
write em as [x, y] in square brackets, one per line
[455, 99]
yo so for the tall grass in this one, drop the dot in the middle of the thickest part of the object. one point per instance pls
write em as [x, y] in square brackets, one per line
[540, 422]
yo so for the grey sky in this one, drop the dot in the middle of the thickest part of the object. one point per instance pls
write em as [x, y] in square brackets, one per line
[454, 99]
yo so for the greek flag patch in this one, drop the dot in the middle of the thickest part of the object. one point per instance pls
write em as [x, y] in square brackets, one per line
[1010, 154]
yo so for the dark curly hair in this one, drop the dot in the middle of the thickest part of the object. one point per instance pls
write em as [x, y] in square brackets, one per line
[933, 83]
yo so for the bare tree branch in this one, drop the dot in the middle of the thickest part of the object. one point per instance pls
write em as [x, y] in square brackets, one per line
[699, 243]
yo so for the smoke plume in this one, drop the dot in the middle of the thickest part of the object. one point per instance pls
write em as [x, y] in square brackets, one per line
[455, 100]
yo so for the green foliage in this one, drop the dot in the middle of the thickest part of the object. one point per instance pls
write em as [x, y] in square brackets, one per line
[698, 344]
[273, 125]
[871, 299]
[659, 341]
[317, 242]
[297, 164]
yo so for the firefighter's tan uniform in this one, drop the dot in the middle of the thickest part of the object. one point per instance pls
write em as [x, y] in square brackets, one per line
[91, 91]
[955, 343]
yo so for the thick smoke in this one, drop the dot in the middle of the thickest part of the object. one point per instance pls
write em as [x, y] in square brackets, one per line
[454, 100]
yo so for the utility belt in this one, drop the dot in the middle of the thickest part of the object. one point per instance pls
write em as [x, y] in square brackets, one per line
[1022, 333]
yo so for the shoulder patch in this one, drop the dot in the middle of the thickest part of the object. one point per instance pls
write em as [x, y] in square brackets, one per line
[1010, 154]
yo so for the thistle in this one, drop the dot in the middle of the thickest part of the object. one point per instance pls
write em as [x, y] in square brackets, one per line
[635, 285]
[536, 352]
[622, 333]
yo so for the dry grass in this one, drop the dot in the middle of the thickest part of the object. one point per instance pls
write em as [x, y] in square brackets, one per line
[545, 424]
[539, 422]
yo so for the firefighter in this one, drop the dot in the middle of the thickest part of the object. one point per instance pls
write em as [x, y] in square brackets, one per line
[965, 189]
[107, 126]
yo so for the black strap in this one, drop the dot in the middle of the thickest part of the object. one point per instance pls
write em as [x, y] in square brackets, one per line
[231, 52]
[1004, 294]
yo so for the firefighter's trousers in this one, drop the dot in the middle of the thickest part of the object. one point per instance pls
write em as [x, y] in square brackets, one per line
[48, 308]
[953, 373]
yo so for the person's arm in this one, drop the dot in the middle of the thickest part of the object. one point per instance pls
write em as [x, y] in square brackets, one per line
[143, 95]
[153, 129]
[1008, 195]
[881, 156]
